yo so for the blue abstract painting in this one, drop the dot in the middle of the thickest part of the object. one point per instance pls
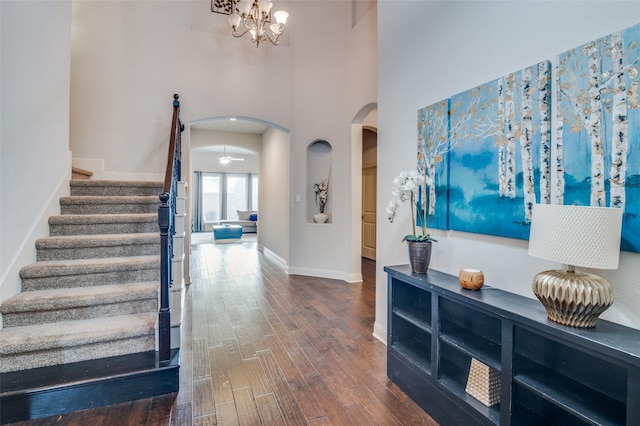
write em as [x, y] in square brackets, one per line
[433, 160]
[500, 153]
[598, 128]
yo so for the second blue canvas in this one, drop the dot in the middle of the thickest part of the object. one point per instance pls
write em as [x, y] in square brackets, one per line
[499, 164]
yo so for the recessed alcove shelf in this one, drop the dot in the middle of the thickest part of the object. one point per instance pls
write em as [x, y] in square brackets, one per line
[319, 161]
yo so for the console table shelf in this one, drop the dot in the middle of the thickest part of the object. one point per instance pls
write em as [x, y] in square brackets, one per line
[550, 374]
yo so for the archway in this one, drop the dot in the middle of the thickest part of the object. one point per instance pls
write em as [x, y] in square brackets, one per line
[366, 117]
[269, 144]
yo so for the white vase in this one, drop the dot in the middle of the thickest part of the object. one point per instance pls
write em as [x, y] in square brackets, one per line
[320, 217]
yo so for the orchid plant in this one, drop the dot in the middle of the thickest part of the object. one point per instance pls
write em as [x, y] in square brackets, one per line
[322, 192]
[411, 186]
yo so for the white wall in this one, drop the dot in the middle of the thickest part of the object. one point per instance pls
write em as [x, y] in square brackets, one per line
[129, 57]
[429, 51]
[273, 219]
[34, 154]
[327, 96]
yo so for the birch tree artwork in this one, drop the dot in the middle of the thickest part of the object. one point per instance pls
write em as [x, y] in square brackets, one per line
[433, 148]
[598, 119]
[500, 159]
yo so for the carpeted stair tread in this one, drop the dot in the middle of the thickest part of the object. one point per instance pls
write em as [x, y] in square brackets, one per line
[88, 266]
[98, 240]
[101, 224]
[109, 204]
[97, 219]
[111, 199]
[65, 298]
[67, 334]
[115, 187]
[122, 183]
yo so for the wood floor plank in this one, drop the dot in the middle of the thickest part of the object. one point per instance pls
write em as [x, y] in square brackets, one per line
[139, 412]
[203, 401]
[245, 344]
[233, 361]
[269, 410]
[185, 393]
[289, 406]
[380, 412]
[358, 416]
[160, 411]
[201, 368]
[226, 414]
[205, 420]
[220, 376]
[258, 380]
[181, 415]
[246, 407]
[305, 397]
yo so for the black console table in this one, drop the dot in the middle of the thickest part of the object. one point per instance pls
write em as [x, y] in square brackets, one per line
[549, 374]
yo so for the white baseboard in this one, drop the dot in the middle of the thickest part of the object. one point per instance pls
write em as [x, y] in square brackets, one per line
[96, 165]
[380, 332]
[273, 256]
[325, 273]
[10, 283]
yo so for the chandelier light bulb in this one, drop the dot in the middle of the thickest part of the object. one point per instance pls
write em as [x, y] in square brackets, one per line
[281, 17]
[244, 7]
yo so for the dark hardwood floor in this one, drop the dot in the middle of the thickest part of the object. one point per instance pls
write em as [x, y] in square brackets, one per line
[262, 347]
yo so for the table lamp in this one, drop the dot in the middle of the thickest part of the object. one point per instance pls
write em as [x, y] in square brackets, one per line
[576, 236]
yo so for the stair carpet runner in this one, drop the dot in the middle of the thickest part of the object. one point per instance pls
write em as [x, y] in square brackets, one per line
[93, 291]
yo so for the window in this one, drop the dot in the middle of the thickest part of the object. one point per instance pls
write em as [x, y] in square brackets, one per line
[211, 197]
[223, 194]
[236, 194]
[254, 192]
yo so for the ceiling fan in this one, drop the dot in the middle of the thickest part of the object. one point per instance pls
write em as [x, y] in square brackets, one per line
[226, 159]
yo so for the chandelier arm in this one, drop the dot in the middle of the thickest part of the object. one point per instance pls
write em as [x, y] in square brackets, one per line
[238, 34]
[275, 40]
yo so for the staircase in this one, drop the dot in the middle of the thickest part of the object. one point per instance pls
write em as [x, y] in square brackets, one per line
[83, 331]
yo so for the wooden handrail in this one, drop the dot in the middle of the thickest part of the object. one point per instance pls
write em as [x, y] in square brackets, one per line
[166, 212]
[174, 139]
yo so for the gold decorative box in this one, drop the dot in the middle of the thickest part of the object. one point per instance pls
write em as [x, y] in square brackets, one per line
[483, 383]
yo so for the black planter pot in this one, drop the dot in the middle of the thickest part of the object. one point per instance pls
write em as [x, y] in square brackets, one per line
[419, 256]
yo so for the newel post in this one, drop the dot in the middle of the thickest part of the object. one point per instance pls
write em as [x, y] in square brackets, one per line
[164, 314]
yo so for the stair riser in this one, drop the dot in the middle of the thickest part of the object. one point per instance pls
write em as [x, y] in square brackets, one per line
[27, 360]
[80, 313]
[107, 228]
[115, 191]
[86, 280]
[117, 379]
[110, 208]
[98, 252]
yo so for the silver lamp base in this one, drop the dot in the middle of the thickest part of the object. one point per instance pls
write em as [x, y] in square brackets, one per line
[573, 298]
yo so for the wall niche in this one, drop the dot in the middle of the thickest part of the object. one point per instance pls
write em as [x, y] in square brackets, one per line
[319, 160]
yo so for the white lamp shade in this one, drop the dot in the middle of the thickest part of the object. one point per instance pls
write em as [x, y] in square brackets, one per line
[281, 17]
[265, 6]
[234, 20]
[244, 6]
[276, 29]
[576, 235]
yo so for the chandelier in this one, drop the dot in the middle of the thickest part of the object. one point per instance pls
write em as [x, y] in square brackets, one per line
[253, 17]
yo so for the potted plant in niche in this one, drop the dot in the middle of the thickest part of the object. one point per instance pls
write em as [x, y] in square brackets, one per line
[322, 192]
[412, 186]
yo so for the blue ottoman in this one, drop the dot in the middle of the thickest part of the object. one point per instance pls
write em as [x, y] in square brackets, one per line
[227, 232]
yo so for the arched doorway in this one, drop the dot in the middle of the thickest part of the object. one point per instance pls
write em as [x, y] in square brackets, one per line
[365, 118]
[269, 145]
